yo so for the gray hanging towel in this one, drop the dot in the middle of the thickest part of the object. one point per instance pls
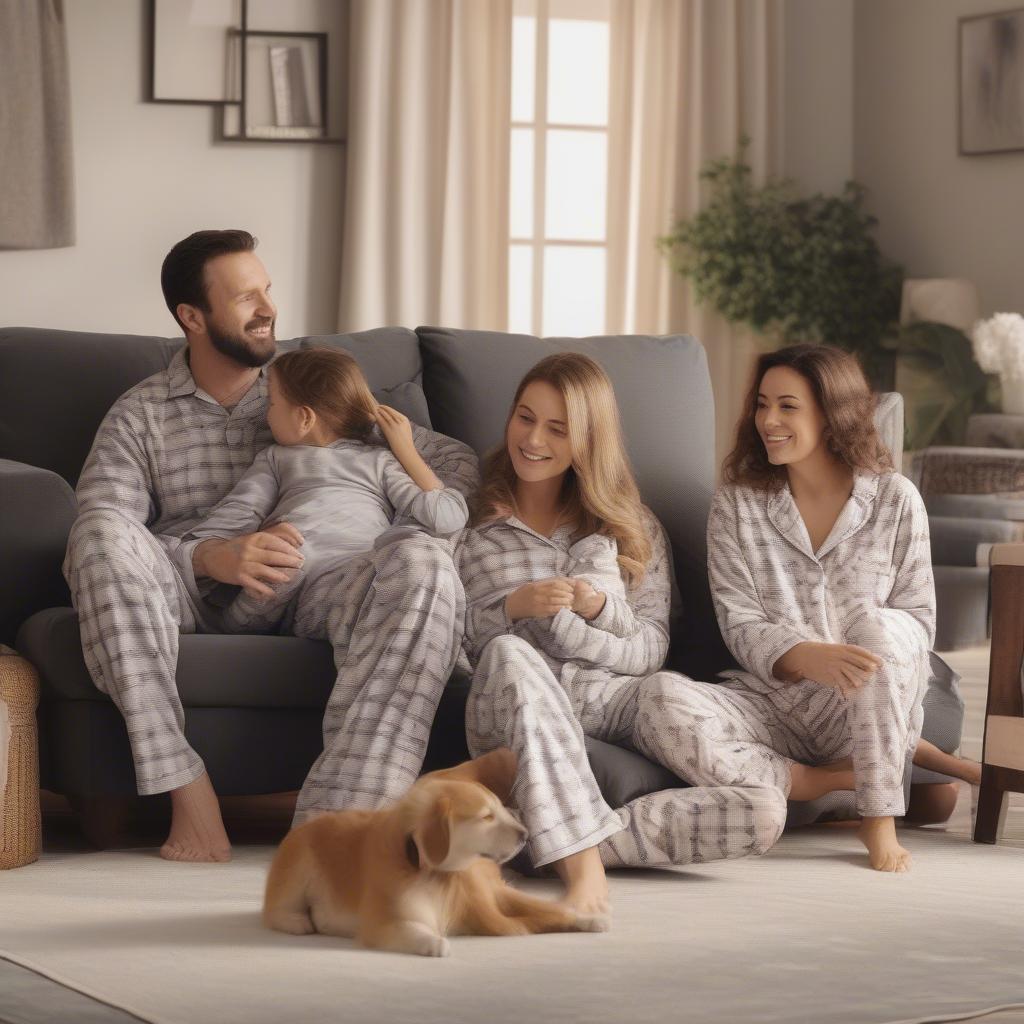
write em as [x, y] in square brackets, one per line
[37, 208]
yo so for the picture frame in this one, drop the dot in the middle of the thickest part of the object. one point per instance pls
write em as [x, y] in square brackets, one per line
[194, 51]
[990, 72]
[284, 88]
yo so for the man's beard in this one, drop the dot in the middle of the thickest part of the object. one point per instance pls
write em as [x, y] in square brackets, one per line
[239, 348]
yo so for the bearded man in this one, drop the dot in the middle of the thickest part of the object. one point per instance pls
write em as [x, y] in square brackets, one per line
[164, 455]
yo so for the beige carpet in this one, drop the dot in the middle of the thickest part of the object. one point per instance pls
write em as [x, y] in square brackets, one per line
[805, 934]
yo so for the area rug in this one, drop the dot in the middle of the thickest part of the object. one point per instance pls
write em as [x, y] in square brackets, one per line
[807, 933]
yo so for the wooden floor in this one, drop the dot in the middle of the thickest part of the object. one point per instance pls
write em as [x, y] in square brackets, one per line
[972, 664]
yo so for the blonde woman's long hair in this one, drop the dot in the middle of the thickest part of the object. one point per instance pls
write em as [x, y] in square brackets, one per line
[599, 493]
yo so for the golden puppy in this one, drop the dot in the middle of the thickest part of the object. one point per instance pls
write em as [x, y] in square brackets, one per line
[402, 879]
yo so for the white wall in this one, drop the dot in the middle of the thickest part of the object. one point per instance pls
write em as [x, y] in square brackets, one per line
[147, 174]
[941, 215]
[817, 93]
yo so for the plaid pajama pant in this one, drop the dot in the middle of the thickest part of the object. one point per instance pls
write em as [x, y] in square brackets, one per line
[164, 455]
[542, 690]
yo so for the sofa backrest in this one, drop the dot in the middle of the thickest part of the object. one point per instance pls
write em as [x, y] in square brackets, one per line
[56, 386]
[664, 395]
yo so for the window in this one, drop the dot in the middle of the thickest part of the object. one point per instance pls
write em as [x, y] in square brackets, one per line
[559, 167]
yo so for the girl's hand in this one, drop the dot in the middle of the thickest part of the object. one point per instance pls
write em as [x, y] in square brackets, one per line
[844, 666]
[587, 602]
[396, 428]
[540, 600]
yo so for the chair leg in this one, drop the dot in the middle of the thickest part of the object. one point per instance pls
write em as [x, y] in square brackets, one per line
[991, 809]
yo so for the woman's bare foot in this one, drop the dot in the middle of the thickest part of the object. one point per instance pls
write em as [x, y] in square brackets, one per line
[808, 782]
[197, 829]
[884, 850]
[586, 887]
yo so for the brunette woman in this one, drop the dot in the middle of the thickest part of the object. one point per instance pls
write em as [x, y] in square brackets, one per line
[821, 575]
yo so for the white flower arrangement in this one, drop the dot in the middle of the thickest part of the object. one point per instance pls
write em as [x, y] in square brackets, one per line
[999, 345]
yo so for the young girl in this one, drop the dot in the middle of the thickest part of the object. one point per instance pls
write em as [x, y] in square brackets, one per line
[326, 486]
[557, 658]
[821, 576]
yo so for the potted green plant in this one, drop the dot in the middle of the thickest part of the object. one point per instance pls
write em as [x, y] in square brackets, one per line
[808, 269]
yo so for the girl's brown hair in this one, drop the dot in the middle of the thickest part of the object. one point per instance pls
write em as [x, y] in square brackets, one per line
[599, 493]
[845, 399]
[329, 381]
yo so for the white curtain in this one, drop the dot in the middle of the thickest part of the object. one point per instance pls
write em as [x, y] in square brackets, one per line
[425, 236]
[688, 78]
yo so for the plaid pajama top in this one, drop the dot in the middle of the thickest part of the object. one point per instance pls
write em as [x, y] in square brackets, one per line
[167, 452]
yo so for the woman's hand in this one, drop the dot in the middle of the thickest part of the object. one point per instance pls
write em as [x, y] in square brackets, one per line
[844, 666]
[540, 600]
[396, 428]
[587, 602]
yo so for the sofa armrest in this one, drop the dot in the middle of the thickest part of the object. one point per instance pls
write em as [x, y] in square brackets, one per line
[958, 541]
[37, 510]
[953, 470]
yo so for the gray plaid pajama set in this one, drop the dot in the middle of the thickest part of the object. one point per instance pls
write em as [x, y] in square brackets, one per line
[540, 686]
[341, 497]
[870, 584]
[163, 457]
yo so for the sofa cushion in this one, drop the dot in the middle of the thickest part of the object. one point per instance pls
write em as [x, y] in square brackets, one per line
[408, 399]
[56, 387]
[664, 396]
[213, 670]
[388, 356]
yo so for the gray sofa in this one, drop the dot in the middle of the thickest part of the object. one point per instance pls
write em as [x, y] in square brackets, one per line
[245, 697]
[253, 704]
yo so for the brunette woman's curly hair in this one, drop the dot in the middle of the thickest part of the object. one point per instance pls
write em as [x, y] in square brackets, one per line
[844, 397]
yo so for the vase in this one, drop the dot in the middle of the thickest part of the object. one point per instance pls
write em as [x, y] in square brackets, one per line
[1013, 395]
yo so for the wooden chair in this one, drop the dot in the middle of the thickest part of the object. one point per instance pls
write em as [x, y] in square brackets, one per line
[1003, 756]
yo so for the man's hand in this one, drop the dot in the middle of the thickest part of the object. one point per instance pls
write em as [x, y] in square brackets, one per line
[252, 560]
[540, 600]
[587, 602]
[286, 532]
[844, 666]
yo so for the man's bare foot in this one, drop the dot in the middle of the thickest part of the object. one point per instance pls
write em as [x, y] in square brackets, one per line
[197, 829]
[808, 782]
[586, 887]
[884, 850]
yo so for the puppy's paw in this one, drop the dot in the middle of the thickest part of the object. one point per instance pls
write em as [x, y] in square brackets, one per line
[431, 945]
[592, 923]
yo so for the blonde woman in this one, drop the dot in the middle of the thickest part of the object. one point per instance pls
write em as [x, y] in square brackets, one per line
[562, 649]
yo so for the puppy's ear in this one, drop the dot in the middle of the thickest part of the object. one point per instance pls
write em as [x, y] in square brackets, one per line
[496, 771]
[433, 834]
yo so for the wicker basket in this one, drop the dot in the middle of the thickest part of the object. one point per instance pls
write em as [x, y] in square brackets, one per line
[21, 837]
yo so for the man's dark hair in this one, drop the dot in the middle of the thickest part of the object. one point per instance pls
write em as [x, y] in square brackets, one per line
[182, 276]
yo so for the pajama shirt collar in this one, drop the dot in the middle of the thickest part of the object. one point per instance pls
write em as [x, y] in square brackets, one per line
[180, 382]
[785, 516]
[557, 540]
